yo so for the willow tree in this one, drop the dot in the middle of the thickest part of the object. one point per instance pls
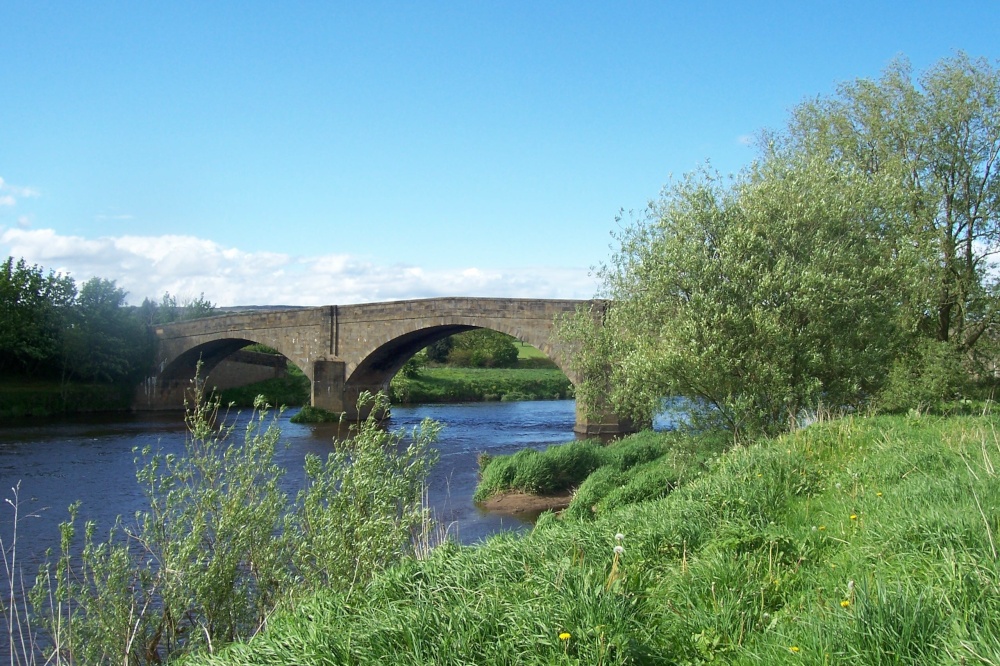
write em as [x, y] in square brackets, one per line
[938, 137]
[865, 230]
[756, 299]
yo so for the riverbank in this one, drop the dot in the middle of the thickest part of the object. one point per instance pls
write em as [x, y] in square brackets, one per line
[445, 384]
[861, 540]
[21, 397]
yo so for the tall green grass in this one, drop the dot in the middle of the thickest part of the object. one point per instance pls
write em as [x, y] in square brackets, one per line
[858, 541]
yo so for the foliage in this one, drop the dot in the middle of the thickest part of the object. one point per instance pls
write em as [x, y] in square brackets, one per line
[868, 224]
[929, 376]
[221, 545]
[938, 139]
[104, 341]
[289, 391]
[757, 301]
[851, 541]
[168, 309]
[310, 414]
[362, 505]
[21, 398]
[483, 348]
[32, 310]
[438, 351]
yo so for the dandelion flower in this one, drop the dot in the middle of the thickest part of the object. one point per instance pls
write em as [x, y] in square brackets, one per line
[793, 649]
[564, 636]
[619, 536]
[822, 527]
[854, 516]
[619, 550]
[845, 603]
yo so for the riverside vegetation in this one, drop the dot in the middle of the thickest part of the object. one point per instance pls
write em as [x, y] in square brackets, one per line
[220, 546]
[855, 540]
[68, 349]
[849, 266]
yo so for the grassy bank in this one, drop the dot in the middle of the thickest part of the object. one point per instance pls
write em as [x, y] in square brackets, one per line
[444, 384]
[20, 397]
[289, 391]
[858, 541]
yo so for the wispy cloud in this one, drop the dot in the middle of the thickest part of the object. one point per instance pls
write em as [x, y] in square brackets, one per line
[148, 266]
[9, 194]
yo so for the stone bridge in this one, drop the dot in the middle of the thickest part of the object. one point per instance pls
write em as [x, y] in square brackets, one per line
[347, 349]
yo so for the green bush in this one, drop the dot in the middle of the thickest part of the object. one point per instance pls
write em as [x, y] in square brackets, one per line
[221, 546]
[930, 376]
[556, 469]
[483, 348]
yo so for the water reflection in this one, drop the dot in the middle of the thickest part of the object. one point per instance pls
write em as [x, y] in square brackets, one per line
[91, 459]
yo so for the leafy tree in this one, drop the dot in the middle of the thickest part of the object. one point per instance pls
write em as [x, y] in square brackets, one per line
[33, 307]
[756, 300]
[868, 225]
[438, 351]
[106, 341]
[483, 348]
[168, 309]
[938, 138]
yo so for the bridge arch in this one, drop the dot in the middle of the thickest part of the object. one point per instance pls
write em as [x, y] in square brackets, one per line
[344, 350]
[209, 354]
[374, 372]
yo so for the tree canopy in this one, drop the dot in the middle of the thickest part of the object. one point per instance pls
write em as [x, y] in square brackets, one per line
[50, 329]
[866, 226]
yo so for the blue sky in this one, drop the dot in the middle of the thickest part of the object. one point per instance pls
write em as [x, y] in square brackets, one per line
[319, 153]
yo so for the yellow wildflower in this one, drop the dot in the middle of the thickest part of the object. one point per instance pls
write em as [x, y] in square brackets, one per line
[564, 636]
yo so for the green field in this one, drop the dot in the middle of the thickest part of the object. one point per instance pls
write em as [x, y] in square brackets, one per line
[444, 384]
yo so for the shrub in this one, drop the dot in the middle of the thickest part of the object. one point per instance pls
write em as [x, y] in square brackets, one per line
[931, 375]
[221, 545]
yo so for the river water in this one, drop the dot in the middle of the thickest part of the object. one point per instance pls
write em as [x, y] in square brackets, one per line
[90, 459]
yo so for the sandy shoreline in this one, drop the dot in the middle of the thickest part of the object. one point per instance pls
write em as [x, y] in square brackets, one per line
[516, 502]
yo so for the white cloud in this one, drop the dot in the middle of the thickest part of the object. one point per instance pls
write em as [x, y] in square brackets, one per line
[187, 266]
[9, 194]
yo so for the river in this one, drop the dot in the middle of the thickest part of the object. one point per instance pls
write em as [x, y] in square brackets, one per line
[90, 459]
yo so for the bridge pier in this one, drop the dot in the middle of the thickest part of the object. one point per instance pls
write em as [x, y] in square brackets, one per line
[605, 424]
[330, 391]
[328, 386]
